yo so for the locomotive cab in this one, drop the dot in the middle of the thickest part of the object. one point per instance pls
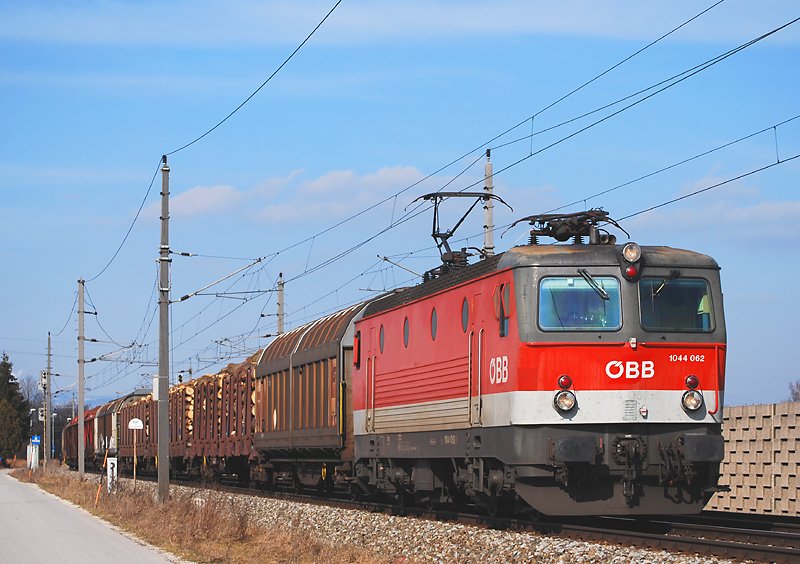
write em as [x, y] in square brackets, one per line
[620, 375]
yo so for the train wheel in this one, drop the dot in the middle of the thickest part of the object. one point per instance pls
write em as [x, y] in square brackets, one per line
[492, 504]
[424, 500]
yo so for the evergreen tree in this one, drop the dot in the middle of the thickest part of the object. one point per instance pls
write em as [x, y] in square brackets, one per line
[13, 412]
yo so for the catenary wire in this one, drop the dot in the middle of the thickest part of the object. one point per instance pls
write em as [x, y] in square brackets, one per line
[69, 318]
[149, 188]
[419, 181]
[263, 84]
[689, 195]
[713, 186]
[674, 165]
[489, 141]
[698, 69]
[127, 233]
[694, 193]
[626, 59]
[410, 215]
[347, 252]
[97, 318]
[631, 182]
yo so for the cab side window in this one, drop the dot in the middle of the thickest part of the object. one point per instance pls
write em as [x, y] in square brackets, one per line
[504, 307]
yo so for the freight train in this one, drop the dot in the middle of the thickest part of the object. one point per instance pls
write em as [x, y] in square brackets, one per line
[570, 378]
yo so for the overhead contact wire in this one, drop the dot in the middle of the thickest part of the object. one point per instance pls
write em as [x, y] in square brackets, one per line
[263, 84]
[127, 234]
[713, 186]
[69, 318]
[256, 91]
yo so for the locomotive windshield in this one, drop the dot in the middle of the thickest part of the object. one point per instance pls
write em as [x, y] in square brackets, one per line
[573, 303]
[675, 304]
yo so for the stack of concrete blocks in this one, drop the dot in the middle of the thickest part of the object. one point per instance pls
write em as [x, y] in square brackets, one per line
[762, 460]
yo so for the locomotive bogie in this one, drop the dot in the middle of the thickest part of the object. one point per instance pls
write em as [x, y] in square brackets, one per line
[554, 470]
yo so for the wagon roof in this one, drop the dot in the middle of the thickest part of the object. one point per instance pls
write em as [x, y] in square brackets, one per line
[116, 404]
[109, 407]
[325, 330]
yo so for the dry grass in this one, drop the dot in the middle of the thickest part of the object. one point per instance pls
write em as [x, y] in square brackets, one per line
[213, 528]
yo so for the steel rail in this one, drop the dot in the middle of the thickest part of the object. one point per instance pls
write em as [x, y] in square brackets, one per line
[766, 541]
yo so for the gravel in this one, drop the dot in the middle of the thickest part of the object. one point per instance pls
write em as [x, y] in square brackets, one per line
[409, 539]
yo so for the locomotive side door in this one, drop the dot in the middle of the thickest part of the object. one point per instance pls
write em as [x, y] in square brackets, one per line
[370, 381]
[476, 355]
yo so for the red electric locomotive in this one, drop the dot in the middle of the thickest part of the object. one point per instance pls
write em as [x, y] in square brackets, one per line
[579, 379]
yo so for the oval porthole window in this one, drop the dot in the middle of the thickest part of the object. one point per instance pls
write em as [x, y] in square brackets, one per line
[380, 338]
[465, 315]
[433, 324]
[405, 333]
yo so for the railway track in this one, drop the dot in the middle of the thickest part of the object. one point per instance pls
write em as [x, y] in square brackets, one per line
[734, 538]
[739, 537]
[725, 535]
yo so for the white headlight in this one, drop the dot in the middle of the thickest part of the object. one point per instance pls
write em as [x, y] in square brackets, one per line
[564, 400]
[692, 400]
[631, 252]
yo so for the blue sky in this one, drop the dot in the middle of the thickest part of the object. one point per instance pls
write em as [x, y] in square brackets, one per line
[384, 94]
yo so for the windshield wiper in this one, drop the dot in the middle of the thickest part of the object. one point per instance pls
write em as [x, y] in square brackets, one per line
[673, 274]
[593, 283]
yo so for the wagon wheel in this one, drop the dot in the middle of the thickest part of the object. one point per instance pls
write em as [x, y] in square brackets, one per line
[355, 492]
[424, 500]
[492, 506]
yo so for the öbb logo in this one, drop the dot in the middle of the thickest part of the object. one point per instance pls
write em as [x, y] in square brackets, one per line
[498, 370]
[630, 369]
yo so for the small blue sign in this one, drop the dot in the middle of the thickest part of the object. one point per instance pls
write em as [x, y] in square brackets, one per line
[36, 440]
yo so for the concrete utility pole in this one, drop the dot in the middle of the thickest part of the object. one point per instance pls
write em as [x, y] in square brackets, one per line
[48, 413]
[81, 362]
[488, 208]
[281, 284]
[163, 341]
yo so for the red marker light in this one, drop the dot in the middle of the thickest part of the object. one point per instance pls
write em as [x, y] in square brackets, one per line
[564, 382]
[692, 381]
[630, 271]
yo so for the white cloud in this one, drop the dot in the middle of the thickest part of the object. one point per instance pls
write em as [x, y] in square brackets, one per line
[218, 23]
[205, 199]
[728, 221]
[735, 189]
[152, 82]
[333, 195]
[338, 193]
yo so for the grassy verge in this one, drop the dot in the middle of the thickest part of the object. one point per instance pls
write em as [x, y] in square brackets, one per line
[201, 526]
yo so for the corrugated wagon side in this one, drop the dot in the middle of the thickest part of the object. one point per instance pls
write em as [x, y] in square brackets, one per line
[144, 409]
[303, 425]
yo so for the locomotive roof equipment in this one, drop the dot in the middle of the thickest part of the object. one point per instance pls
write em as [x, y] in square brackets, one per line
[450, 258]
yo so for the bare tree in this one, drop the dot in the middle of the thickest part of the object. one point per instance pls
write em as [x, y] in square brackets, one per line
[29, 388]
[794, 391]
